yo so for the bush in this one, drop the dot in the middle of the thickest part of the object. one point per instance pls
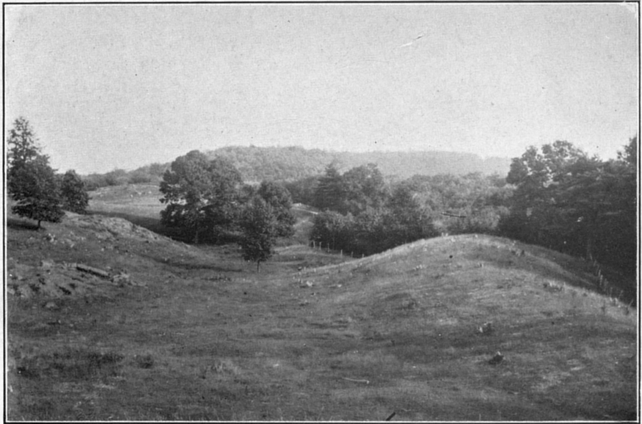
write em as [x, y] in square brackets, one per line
[139, 177]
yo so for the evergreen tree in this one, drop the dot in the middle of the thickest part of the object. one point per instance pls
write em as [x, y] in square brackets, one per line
[30, 180]
[22, 144]
[330, 192]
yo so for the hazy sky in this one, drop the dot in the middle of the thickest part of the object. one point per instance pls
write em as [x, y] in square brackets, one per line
[108, 86]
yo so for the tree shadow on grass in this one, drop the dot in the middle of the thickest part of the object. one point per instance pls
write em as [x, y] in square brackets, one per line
[201, 266]
[23, 224]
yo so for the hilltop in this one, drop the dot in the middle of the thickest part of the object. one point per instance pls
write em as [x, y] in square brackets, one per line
[170, 331]
[287, 163]
[292, 163]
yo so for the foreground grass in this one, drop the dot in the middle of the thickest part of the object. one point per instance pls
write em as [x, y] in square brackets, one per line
[206, 338]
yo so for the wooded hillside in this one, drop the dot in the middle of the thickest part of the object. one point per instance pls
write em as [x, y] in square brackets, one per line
[287, 163]
[293, 163]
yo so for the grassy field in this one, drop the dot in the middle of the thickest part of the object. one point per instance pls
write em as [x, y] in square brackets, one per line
[197, 334]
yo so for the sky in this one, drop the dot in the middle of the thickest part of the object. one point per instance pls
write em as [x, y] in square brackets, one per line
[122, 86]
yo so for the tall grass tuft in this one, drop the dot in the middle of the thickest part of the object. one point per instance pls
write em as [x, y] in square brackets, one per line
[71, 364]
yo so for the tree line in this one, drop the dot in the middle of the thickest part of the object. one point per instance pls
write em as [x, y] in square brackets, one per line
[148, 174]
[363, 213]
[295, 163]
[570, 201]
[556, 196]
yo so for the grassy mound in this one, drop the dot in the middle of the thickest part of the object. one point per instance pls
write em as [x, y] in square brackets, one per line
[436, 313]
[415, 331]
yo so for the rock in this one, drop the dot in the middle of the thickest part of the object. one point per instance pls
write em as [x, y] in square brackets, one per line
[496, 359]
[47, 264]
[486, 328]
[121, 279]
[51, 305]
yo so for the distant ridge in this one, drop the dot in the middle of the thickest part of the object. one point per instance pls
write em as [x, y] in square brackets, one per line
[288, 163]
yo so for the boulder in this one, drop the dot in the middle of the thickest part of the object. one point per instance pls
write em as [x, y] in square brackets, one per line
[121, 279]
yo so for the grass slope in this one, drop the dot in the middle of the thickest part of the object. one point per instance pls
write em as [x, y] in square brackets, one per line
[201, 336]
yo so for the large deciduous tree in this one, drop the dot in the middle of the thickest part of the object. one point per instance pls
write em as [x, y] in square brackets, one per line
[364, 188]
[278, 197]
[201, 195]
[535, 214]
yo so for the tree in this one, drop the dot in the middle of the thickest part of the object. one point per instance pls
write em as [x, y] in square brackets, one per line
[535, 214]
[405, 220]
[259, 226]
[34, 187]
[73, 192]
[278, 197]
[22, 147]
[223, 203]
[22, 141]
[369, 232]
[201, 195]
[333, 229]
[330, 192]
[364, 188]
[116, 177]
[570, 201]
[302, 190]
[30, 180]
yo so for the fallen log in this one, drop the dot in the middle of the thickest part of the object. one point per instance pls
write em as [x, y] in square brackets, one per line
[92, 270]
